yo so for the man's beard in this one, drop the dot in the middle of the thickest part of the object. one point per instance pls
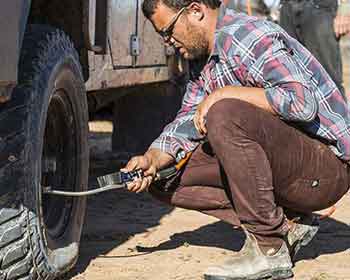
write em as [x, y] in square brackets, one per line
[196, 46]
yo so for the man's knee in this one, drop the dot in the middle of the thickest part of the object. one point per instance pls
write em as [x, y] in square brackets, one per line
[231, 116]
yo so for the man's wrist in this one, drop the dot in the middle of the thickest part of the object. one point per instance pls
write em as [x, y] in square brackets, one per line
[158, 158]
[217, 95]
[152, 158]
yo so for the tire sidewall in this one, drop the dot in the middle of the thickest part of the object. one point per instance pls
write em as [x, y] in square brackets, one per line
[44, 89]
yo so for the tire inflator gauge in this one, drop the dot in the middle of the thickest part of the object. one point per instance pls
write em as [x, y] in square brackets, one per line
[119, 180]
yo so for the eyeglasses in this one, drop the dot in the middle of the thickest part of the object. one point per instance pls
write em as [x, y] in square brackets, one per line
[167, 31]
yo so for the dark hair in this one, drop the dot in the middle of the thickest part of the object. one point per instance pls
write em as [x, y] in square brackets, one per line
[149, 6]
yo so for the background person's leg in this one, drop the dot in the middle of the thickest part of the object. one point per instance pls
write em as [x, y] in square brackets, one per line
[288, 19]
[317, 32]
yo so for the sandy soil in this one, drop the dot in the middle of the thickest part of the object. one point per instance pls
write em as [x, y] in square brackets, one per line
[129, 236]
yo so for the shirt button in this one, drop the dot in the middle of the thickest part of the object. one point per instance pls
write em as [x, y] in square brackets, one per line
[213, 74]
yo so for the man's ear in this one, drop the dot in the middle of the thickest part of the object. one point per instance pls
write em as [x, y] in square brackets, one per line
[196, 11]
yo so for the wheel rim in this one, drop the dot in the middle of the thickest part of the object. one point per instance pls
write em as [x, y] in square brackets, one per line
[59, 161]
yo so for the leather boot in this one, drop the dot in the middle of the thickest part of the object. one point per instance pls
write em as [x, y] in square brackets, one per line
[251, 264]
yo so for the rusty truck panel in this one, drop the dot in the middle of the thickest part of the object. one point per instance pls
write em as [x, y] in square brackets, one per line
[118, 47]
[151, 44]
[13, 14]
[122, 25]
[106, 79]
[134, 53]
[13, 18]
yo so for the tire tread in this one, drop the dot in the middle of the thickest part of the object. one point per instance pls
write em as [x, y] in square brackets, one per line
[20, 252]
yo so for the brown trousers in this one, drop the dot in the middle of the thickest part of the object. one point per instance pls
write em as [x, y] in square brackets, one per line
[253, 167]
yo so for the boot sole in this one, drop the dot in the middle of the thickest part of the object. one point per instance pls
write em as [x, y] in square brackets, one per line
[268, 275]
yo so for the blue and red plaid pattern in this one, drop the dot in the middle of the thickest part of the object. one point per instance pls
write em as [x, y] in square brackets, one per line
[251, 52]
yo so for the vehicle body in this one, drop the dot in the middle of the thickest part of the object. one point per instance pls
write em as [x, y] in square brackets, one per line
[117, 46]
[53, 55]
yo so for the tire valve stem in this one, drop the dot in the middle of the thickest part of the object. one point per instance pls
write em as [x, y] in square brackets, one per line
[46, 189]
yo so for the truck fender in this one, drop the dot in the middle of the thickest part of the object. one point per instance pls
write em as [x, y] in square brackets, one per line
[13, 21]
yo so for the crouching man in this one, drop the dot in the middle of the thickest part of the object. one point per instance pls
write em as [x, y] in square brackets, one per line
[276, 129]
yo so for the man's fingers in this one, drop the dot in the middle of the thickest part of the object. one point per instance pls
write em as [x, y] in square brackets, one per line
[336, 31]
[341, 25]
[140, 185]
[337, 26]
[130, 186]
[131, 165]
[137, 163]
[146, 182]
[347, 23]
[203, 123]
[135, 185]
[197, 119]
[150, 172]
[196, 123]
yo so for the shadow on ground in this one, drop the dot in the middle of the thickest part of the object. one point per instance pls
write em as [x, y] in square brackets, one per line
[218, 235]
[332, 237]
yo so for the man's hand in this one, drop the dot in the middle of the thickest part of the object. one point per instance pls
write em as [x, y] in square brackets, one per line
[199, 119]
[342, 25]
[149, 173]
[342, 20]
[152, 161]
[254, 96]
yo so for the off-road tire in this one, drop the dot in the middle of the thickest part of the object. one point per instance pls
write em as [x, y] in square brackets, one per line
[50, 80]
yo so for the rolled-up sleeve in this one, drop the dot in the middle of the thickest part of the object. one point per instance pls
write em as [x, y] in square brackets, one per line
[176, 141]
[287, 83]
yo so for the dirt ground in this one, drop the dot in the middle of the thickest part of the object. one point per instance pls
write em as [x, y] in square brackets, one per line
[131, 236]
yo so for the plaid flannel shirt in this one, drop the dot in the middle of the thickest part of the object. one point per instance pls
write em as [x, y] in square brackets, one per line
[256, 53]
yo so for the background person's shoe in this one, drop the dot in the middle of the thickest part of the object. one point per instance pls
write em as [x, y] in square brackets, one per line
[301, 233]
[251, 264]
